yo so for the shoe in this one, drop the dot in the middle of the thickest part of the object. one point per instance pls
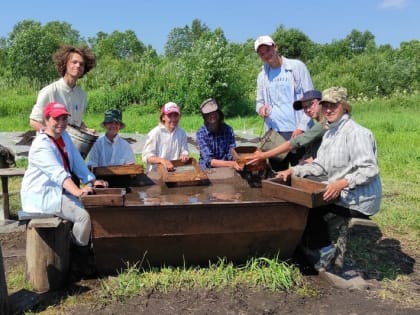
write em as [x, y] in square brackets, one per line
[326, 256]
[82, 261]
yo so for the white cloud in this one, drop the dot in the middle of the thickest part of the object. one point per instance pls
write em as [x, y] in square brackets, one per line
[393, 4]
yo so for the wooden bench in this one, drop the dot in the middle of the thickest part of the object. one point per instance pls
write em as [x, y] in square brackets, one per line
[5, 173]
[47, 250]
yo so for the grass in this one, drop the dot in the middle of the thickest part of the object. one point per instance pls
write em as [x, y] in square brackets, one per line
[396, 125]
[266, 273]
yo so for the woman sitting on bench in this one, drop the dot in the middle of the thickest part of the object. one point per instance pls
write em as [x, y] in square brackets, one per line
[47, 185]
[347, 158]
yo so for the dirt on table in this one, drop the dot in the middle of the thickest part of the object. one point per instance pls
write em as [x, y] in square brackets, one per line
[377, 298]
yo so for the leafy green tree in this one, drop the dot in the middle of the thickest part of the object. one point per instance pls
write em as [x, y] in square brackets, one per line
[31, 46]
[180, 40]
[120, 45]
[64, 33]
[22, 26]
[30, 53]
[409, 55]
[3, 55]
[293, 43]
[360, 42]
[211, 70]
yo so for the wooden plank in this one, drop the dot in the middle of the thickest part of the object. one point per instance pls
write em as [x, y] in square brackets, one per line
[307, 184]
[105, 197]
[115, 170]
[110, 191]
[45, 222]
[301, 191]
[242, 152]
[22, 215]
[12, 171]
[185, 174]
[111, 200]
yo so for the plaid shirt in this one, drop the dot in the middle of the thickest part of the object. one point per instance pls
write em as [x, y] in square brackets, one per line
[349, 151]
[215, 146]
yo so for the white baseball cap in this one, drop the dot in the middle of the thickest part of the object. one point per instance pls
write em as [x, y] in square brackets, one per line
[263, 40]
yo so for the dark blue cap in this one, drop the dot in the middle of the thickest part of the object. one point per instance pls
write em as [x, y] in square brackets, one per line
[307, 96]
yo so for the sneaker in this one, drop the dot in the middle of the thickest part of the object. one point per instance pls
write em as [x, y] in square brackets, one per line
[326, 256]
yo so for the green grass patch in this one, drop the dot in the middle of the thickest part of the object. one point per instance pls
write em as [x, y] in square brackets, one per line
[271, 274]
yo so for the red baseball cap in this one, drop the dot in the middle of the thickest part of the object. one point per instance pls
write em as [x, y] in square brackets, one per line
[55, 109]
[170, 107]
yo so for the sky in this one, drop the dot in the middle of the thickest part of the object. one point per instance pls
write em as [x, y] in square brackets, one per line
[390, 21]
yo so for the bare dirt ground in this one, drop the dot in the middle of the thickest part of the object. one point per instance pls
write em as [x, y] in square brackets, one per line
[385, 257]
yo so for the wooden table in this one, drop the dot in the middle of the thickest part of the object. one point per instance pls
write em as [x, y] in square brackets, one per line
[5, 173]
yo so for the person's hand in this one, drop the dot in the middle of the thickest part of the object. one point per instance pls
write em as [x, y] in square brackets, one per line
[333, 190]
[184, 158]
[168, 165]
[264, 111]
[84, 191]
[100, 183]
[296, 133]
[284, 175]
[254, 158]
[237, 166]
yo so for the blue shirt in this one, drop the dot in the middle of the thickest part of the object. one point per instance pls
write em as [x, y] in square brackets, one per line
[215, 146]
[279, 88]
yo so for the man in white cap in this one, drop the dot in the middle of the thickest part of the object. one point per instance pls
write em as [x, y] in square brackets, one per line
[281, 82]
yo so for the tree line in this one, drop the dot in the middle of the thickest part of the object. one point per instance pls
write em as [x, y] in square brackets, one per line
[198, 63]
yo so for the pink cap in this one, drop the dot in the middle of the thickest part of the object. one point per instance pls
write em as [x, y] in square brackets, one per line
[55, 109]
[170, 107]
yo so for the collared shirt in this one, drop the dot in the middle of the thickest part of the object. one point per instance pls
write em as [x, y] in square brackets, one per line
[215, 146]
[279, 88]
[310, 139]
[164, 144]
[42, 184]
[349, 151]
[106, 152]
[74, 98]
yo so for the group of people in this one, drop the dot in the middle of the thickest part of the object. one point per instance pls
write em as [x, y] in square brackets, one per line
[336, 149]
[321, 140]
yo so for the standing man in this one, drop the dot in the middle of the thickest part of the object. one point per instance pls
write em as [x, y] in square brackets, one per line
[280, 83]
[72, 63]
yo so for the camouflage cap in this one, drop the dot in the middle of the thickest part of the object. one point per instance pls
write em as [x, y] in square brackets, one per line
[334, 95]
